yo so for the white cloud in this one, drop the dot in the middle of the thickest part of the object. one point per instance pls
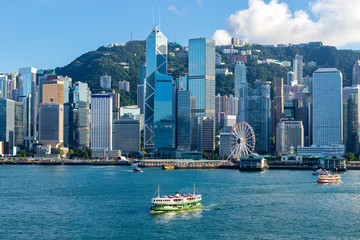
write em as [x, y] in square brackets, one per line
[221, 37]
[334, 22]
[184, 10]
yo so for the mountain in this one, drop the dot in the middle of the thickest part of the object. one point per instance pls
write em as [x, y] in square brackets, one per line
[123, 63]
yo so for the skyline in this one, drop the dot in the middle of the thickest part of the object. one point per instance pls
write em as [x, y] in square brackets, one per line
[73, 28]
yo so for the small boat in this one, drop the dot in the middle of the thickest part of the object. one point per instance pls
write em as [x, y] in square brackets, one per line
[177, 202]
[136, 168]
[168, 167]
[336, 178]
[320, 171]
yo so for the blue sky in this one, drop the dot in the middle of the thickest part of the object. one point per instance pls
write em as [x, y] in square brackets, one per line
[52, 33]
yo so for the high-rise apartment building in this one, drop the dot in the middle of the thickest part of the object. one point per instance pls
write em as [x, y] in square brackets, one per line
[124, 86]
[116, 104]
[232, 105]
[327, 104]
[105, 82]
[298, 64]
[356, 73]
[51, 124]
[290, 77]
[101, 121]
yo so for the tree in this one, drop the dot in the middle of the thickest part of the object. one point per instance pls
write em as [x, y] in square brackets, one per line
[21, 153]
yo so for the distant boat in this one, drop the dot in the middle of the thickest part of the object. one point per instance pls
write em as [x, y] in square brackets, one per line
[176, 202]
[320, 171]
[168, 167]
[136, 168]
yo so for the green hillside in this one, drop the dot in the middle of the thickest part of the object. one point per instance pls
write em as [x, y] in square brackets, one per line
[110, 61]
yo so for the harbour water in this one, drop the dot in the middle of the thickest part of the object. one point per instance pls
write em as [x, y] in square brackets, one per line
[112, 202]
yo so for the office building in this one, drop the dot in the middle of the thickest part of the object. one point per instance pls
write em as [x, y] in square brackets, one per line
[51, 124]
[7, 122]
[202, 75]
[224, 148]
[53, 91]
[327, 104]
[259, 115]
[183, 120]
[277, 104]
[19, 124]
[105, 82]
[126, 135]
[351, 108]
[82, 131]
[356, 73]
[159, 111]
[289, 133]
[140, 97]
[241, 89]
[124, 86]
[27, 94]
[116, 104]
[4, 82]
[298, 64]
[101, 121]
[207, 134]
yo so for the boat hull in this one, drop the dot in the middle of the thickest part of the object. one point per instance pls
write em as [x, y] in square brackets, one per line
[156, 209]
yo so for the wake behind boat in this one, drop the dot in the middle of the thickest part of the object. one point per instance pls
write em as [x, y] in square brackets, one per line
[176, 202]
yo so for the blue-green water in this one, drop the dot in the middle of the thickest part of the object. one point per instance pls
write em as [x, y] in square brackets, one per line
[95, 202]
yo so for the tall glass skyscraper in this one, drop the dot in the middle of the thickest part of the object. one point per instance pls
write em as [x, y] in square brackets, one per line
[327, 105]
[159, 95]
[202, 75]
[7, 122]
[183, 136]
[28, 95]
[241, 88]
[259, 115]
[298, 69]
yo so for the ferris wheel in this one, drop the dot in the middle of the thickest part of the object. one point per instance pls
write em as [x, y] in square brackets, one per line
[242, 140]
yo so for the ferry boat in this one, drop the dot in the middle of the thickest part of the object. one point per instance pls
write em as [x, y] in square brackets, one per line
[168, 167]
[136, 168]
[336, 178]
[176, 202]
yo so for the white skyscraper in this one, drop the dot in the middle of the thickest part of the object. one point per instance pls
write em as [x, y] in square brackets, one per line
[101, 121]
[327, 107]
[298, 69]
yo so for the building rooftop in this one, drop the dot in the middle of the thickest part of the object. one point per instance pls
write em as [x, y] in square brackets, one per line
[326, 70]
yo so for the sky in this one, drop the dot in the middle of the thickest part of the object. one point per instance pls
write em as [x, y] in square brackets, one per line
[52, 33]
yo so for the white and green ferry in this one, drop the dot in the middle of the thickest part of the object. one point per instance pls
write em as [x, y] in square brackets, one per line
[176, 202]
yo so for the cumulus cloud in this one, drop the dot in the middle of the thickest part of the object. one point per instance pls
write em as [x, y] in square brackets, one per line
[221, 37]
[334, 22]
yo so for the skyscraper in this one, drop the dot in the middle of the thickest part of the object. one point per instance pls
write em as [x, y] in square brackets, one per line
[51, 124]
[289, 134]
[327, 104]
[278, 104]
[4, 82]
[101, 121]
[241, 89]
[232, 105]
[183, 121]
[351, 118]
[356, 73]
[27, 94]
[124, 86]
[159, 94]
[7, 122]
[290, 78]
[126, 135]
[202, 75]
[298, 69]
[259, 115]
[53, 92]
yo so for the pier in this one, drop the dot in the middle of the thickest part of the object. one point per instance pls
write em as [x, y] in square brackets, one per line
[182, 164]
